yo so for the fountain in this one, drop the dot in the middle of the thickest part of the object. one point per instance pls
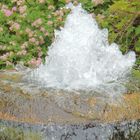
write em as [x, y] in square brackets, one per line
[80, 58]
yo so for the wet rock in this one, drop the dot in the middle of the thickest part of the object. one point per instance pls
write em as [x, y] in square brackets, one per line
[65, 115]
[127, 130]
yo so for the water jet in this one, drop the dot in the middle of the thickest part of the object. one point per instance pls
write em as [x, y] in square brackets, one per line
[81, 58]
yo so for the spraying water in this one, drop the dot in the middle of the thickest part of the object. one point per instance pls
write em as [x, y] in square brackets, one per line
[81, 58]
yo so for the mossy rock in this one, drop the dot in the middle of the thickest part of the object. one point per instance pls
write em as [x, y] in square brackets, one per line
[11, 133]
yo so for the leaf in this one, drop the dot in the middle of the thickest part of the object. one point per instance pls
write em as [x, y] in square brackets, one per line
[137, 30]
[137, 46]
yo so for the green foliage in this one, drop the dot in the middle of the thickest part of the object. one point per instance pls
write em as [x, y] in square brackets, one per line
[122, 18]
[27, 29]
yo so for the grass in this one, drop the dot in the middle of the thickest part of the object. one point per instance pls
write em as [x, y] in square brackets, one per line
[128, 109]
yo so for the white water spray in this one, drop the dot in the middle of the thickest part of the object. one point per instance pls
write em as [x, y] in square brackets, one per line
[81, 58]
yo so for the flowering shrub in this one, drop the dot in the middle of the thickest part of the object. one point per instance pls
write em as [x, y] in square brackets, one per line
[27, 27]
[26, 30]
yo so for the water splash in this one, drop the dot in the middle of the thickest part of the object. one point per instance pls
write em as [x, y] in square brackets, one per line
[81, 58]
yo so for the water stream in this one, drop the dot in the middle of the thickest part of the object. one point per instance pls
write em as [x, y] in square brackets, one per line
[80, 58]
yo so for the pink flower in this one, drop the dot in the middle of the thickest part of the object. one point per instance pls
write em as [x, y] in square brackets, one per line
[56, 13]
[3, 57]
[93, 15]
[7, 54]
[51, 7]
[60, 19]
[38, 62]
[22, 9]
[42, 29]
[17, 26]
[100, 17]
[32, 40]
[8, 13]
[11, 28]
[33, 24]
[14, 8]
[40, 54]
[46, 34]
[61, 13]
[49, 16]
[20, 2]
[30, 34]
[37, 42]
[8, 63]
[27, 30]
[14, 26]
[24, 45]
[35, 62]
[24, 52]
[37, 22]
[41, 40]
[49, 22]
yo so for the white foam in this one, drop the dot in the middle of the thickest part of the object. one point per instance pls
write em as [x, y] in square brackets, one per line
[81, 58]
